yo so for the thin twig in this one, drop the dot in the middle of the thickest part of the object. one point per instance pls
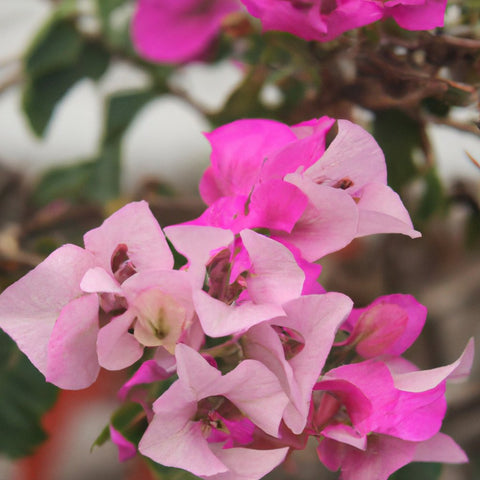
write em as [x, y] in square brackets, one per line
[14, 78]
[448, 122]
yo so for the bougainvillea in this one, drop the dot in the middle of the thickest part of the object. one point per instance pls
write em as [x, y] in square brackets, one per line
[324, 20]
[251, 351]
[180, 31]
[176, 32]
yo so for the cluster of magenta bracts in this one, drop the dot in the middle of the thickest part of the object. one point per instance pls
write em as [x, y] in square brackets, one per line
[259, 356]
[184, 30]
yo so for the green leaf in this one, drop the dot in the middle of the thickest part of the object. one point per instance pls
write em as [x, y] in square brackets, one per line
[67, 182]
[102, 438]
[93, 61]
[418, 470]
[472, 234]
[41, 95]
[115, 33]
[104, 182]
[436, 106]
[244, 101]
[57, 45]
[398, 135]
[433, 198]
[130, 420]
[95, 180]
[121, 109]
[105, 9]
[24, 398]
[43, 92]
[169, 473]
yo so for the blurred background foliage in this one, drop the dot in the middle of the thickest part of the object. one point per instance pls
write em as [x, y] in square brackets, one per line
[394, 82]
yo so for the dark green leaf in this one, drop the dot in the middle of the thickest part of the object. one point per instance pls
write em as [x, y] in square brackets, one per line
[63, 182]
[437, 106]
[244, 101]
[105, 9]
[93, 61]
[95, 180]
[102, 438]
[41, 95]
[104, 183]
[398, 135]
[169, 473]
[473, 229]
[420, 471]
[121, 109]
[433, 198]
[57, 45]
[130, 421]
[117, 35]
[43, 92]
[24, 397]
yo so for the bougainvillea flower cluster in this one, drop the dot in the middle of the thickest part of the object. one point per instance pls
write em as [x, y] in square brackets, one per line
[184, 30]
[324, 20]
[254, 355]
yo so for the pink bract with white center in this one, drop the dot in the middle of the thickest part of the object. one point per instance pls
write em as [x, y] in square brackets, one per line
[178, 31]
[53, 312]
[160, 311]
[180, 433]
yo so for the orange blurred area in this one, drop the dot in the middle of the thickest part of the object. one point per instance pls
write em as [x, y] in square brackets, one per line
[77, 418]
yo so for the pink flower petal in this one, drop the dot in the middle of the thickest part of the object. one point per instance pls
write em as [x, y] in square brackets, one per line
[416, 316]
[116, 347]
[353, 154]
[313, 20]
[248, 463]
[317, 318]
[197, 244]
[383, 456]
[72, 354]
[126, 449]
[135, 227]
[440, 448]
[276, 205]
[148, 372]
[174, 441]
[180, 31]
[345, 434]
[97, 280]
[196, 373]
[275, 276]
[417, 14]
[301, 154]
[239, 149]
[254, 389]
[328, 224]
[31, 305]
[382, 211]
[422, 380]
[219, 319]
